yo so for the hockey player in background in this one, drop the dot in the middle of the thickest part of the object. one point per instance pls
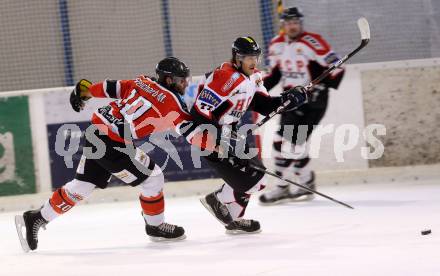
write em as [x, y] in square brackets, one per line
[143, 105]
[296, 58]
[226, 94]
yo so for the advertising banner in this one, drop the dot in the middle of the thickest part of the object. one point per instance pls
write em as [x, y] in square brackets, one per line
[17, 173]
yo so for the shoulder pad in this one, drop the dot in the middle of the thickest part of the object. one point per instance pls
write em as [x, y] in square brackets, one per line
[277, 39]
[315, 42]
[225, 79]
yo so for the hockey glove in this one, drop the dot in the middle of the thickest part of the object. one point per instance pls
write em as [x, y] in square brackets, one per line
[315, 91]
[294, 97]
[78, 95]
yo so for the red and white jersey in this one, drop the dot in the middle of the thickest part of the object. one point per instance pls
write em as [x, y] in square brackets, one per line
[143, 105]
[295, 59]
[226, 94]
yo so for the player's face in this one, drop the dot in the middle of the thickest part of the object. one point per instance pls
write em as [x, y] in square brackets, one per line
[249, 64]
[181, 84]
[292, 27]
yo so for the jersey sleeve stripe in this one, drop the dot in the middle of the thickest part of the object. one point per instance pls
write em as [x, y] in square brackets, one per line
[118, 90]
[110, 88]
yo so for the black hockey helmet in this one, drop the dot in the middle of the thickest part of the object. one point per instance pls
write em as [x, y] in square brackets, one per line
[175, 69]
[245, 46]
[172, 67]
[292, 13]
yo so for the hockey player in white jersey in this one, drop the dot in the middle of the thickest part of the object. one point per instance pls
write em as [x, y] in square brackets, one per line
[229, 91]
[296, 58]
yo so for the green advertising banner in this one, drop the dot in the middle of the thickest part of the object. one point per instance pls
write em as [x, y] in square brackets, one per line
[17, 174]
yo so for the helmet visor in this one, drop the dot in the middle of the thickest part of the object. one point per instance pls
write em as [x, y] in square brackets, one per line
[249, 58]
[182, 80]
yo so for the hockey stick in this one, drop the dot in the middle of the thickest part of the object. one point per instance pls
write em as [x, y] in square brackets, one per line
[364, 29]
[257, 168]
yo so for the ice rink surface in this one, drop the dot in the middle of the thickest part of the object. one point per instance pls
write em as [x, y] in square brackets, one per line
[380, 237]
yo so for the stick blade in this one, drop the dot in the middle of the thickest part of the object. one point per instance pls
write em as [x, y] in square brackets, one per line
[364, 28]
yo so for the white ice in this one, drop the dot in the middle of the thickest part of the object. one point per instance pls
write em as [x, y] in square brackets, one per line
[380, 237]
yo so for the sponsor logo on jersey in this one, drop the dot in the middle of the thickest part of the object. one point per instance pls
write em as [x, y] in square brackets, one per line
[294, 75]
[237, 113]
[237, 92]
[315, 43]
[150, 90]
[106, 113]
[209, 97]
[230, 82]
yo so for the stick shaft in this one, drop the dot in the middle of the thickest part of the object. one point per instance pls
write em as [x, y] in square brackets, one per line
[314, 82]
[301, 186]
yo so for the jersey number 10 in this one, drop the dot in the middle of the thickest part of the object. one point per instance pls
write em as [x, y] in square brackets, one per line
[134, 106]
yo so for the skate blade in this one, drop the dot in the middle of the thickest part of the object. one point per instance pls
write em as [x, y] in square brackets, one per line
[302, 198]
[162, 239]
[241, 232]
[19, 225]
[281, 201]
[288, 200]
[206, 205]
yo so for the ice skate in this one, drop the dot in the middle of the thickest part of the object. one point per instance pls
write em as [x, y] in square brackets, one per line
[216, 208]
[303, 195]
[31, 221]
[165, 232]
[243, 226]
[284, 194]
[278, 195]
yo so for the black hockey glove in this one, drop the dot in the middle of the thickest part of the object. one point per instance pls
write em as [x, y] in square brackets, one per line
[77, 98]
[294, 96]
[315, 91]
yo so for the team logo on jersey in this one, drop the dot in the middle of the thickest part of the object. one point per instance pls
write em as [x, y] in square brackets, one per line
[209, 97]
[299, 51]
[230, 82]
[259, 82]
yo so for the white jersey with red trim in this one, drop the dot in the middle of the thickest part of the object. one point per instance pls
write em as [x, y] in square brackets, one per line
[294, 58]
[226, 94]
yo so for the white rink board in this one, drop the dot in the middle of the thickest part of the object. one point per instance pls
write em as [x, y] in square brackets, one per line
[380, 237]
[345, 107]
